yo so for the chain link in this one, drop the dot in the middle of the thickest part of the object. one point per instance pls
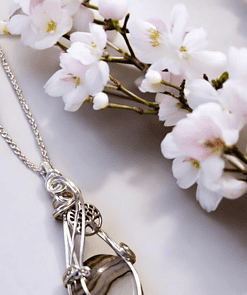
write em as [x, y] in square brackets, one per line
[30, 118]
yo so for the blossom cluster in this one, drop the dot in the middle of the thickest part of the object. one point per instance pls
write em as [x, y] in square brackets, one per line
[202, 93]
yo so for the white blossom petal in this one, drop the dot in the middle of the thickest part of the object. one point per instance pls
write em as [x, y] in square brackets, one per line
[200, 91]
[169, 148]
[208, 200]
[97, 77]
[185, 172]
[113, 9]
[237, 63]
[232, 188]
[179, 24]
[74, 99]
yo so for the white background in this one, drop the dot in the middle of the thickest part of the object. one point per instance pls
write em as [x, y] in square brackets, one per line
[114, 157]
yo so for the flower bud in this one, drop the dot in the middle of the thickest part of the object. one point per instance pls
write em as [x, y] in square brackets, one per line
[100, 101]
[114, 9]
[153, 77]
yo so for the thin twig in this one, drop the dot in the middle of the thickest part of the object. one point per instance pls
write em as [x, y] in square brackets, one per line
[132, 95]
[62, 46]
[135, 109]
[236, 152]
[171, 85]
[88, 5]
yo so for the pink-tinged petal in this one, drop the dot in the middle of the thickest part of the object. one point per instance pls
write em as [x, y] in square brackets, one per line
[208, 200]
[195, 134]
[97, 77]
[185, 172]
[211, 172]
[146, 86]
[18, 23]
[232, 188]
[72, 65]
[237, 63]
[56, 85]
[169, 148]
[83, 53]
[82, 19]
[159, 25]
[170, 63]
[200, 91]
[72, 6]
[34, 3]
[179, 24]
[83, 37]
[151, 42]
[74, 99]
[233, 96]
[212, 63]
[195, 40]
[169, 111]
[113, 9]
[98, 36]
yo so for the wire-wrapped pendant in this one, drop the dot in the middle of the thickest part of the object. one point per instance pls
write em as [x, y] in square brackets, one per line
[96, 275]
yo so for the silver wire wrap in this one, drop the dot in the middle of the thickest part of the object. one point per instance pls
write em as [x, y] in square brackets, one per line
[67, 198]
[30, 118]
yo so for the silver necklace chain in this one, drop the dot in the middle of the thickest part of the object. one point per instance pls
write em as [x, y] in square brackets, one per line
[30, 118]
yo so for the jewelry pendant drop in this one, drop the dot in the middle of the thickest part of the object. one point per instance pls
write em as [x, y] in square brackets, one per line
[96, 275]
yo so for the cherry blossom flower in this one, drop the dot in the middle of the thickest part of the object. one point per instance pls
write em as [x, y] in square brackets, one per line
[88, 47]
[212, 183]
[112, 9]
[100, 101]
[76, 81]
[233, 94]
[176, 47]
[150, 38]
[205, 132]
[170, 109]
[187, 56]
[189, 171]
[44, 25]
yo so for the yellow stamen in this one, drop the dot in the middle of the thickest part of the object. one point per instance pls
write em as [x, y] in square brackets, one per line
[51, 27]
[154, 36]
[184, 51]
[5, 29]
[215, 145]
[77, 81]
[94, 48]
[195, 163]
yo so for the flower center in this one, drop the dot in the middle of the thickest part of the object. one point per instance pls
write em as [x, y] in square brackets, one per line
[155, 37]
[194, 162]
[215, 145]
[51, 26]
[5, 29]
[77, 81]
[184, 52]
[94, 48]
